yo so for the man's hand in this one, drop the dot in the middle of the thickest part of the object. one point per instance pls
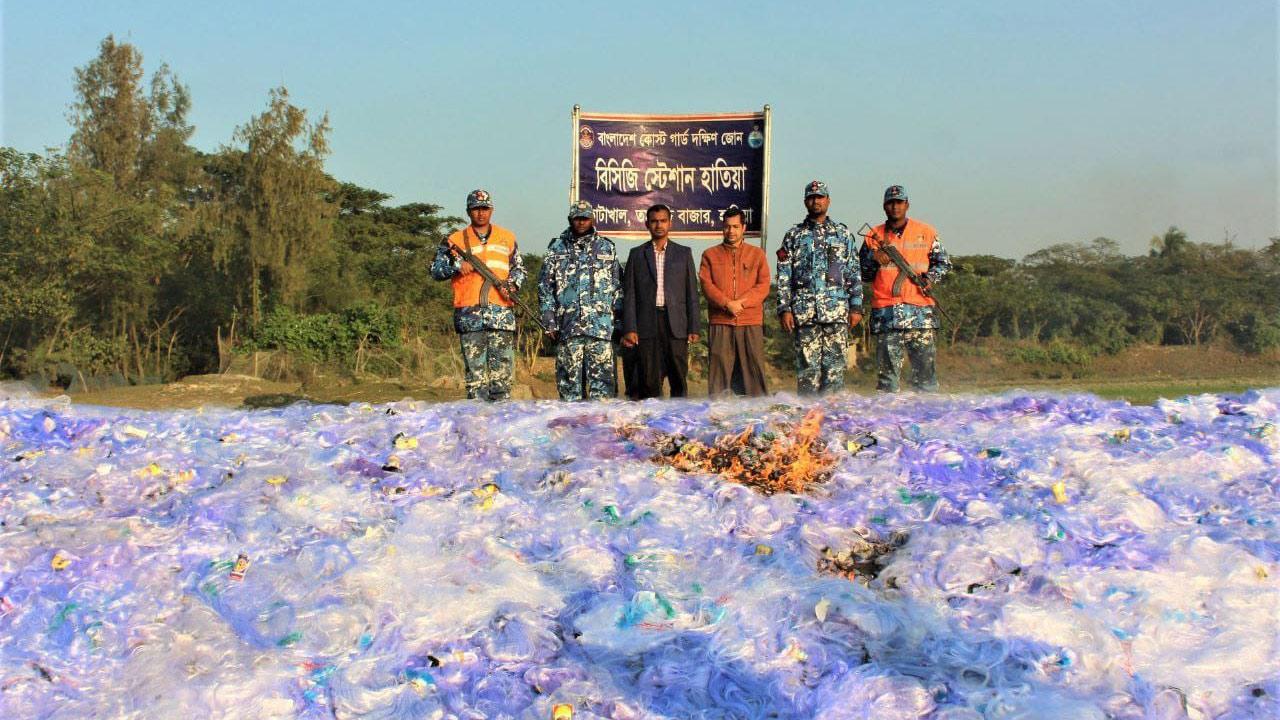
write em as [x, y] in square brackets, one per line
[693, 338]
[925, 284]
[788, 322]
[883, 258]
[630, 339]
[464, 267]
[507, 290]
[854, 318]
[734, 307]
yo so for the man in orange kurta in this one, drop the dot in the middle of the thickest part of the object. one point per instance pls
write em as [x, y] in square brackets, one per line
[735, 279]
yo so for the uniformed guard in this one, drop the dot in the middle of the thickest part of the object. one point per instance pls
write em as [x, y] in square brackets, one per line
[580, 297]
[902, 311]
[819, 293]
[483, 314]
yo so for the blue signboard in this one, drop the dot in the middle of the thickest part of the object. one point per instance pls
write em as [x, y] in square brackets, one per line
[698, 165]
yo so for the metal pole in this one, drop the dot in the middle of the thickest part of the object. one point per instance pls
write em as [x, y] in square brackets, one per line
[768, 152]
[573, 183]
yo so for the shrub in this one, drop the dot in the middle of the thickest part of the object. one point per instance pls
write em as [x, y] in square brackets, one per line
[326, 337]
[1054, 360]
[1256, 332]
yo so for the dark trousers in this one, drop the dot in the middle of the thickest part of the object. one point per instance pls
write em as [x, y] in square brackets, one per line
[631, 371]
[663, 356]
[736, 360]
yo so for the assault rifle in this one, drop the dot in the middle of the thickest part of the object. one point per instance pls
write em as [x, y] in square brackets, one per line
[497, 284]
[867, 233]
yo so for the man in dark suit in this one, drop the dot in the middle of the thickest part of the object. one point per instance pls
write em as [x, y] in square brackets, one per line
[660, 307]
[630, 361]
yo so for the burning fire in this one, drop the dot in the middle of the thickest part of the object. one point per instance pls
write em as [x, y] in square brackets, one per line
[771, 460]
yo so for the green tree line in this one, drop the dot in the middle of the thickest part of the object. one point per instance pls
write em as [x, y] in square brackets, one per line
[1092, 296]
[131, 254]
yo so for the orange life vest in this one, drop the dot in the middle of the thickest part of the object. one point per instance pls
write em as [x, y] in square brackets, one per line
[914, 244]
[495, 254]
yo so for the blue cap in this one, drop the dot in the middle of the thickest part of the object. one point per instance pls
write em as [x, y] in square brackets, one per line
[479, 199]
[581, 209]
[816, 187]
[895, 192]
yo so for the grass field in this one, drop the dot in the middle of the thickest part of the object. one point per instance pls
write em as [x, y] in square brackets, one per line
[1139, 375]
[1137, 392]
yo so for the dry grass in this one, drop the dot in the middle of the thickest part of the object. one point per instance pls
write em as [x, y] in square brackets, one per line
[434, 373]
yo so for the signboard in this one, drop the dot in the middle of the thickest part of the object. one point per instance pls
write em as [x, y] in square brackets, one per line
[698, 165]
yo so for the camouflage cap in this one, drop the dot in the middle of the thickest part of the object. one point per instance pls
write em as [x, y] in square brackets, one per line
[816, 187]
[479, 199]
[895, 192]
[581, 209]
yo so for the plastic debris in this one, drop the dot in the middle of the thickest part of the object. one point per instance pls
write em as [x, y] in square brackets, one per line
[820, 610]
[135, 432]
[240, 568]
[851, 557]
[1059, 489]
[860, 559]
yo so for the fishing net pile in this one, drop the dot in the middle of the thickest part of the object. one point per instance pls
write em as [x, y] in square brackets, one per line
[1015, 556]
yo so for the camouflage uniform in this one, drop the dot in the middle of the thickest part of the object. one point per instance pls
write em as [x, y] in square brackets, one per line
[905, 331]
[819, 283]
[488, 359]
[579, 296]
[486, 332]
[894, 346]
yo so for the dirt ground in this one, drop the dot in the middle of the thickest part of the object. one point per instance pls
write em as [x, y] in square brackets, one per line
[1139, 375]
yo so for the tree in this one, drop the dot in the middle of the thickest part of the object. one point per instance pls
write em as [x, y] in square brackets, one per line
[1173, 245]
[137, 139]
[126, 195]
[35, 293]
[281, 210]
[166, 157]
[1271, 254]
[111, 116]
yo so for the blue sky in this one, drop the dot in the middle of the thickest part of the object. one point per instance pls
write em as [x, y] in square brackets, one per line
[1014, 125]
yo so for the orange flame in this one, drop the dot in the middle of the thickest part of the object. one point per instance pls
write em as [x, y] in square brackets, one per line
[775, 460]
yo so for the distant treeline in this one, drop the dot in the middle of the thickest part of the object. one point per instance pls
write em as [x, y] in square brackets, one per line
[131, 254]
[1180, 293]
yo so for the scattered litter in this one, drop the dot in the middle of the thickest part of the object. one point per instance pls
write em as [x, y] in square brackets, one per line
[1059, 492]
[240, 568]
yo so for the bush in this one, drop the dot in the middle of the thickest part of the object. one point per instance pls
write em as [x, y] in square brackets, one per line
[1256, 332]
[1055, 360]
[327, 337]
[375, 325]
[87, 353]
[1069, 354]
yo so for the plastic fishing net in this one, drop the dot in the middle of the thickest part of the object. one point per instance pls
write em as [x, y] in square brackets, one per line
[1011, 556]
